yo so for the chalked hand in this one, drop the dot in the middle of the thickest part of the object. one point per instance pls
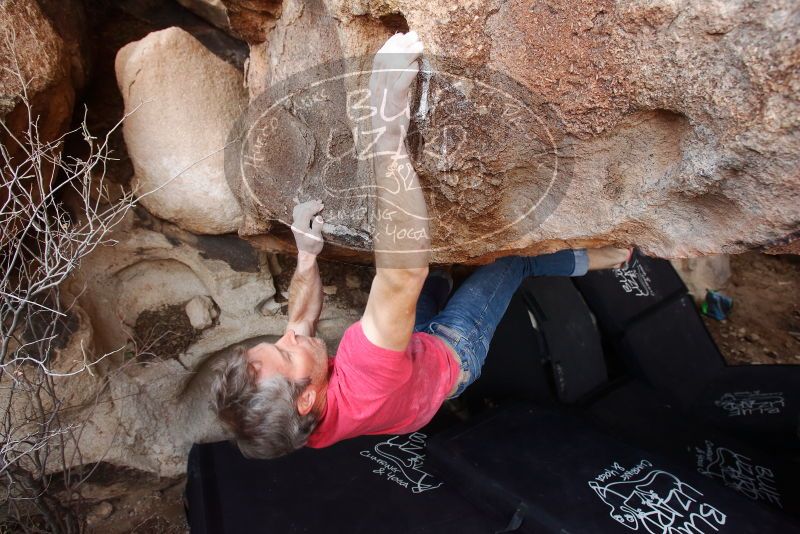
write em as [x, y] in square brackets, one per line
[307, 226]
[393, 70]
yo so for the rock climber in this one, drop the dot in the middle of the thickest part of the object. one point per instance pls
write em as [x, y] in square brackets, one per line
[412, 349]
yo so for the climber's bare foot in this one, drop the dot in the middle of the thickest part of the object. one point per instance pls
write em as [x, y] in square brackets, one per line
[608, 257]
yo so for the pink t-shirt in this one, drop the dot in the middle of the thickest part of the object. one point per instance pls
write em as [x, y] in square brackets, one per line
[379, 391]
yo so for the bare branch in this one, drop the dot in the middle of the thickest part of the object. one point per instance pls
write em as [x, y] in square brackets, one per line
[43, 239]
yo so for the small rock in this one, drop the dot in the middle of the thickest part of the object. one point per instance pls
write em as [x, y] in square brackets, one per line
[352, 281]
[200, 310]
[742, 332]
[270, 308]
[101, 511]
[772, 354]
[330, 290]
[752, 338]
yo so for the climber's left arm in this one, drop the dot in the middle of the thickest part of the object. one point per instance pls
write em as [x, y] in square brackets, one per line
[305, 289]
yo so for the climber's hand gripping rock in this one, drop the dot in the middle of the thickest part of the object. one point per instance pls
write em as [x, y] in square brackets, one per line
[307, 227]
[394, 68]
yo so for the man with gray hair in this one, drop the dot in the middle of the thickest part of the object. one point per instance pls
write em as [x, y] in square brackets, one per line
[409, 352]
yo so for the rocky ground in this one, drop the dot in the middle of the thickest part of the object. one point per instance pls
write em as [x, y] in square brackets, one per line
[129, 501]
[764, 325]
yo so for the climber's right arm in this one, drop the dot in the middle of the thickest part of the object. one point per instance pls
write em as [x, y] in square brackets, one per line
[401, 238]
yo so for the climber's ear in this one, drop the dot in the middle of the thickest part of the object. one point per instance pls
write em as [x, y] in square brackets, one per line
[306, 400]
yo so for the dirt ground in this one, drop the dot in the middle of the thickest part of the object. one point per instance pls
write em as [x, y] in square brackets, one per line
[764, 324]
[120, 500]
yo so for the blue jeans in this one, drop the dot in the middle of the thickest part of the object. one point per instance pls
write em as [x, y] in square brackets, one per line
[471, 316]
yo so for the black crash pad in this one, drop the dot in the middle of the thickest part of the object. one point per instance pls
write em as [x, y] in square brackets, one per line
[571, 338]
[759, 403]
[553, 473]
[516, 366]
[546, 347]
[617, 297]
[638, 415]
[364, 485]
[672, 350]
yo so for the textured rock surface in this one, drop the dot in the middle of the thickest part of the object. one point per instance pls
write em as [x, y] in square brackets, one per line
[249, 20]
[704, 273]
[145, 406]
[186, 99]
[201, 312]
[676, 123]
[53, 67]
[214, 11]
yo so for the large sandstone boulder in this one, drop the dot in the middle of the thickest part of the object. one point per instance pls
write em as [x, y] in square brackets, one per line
[183, 100]
[674, 126]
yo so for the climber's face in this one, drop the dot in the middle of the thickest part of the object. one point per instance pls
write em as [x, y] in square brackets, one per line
[294, 356]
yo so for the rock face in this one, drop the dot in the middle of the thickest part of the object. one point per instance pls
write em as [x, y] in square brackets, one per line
[201, 312]
[674, 126]
[147, 404]
[249, 20]
[704, 273]
[30, 45]
[185, 100]
[214, 11]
